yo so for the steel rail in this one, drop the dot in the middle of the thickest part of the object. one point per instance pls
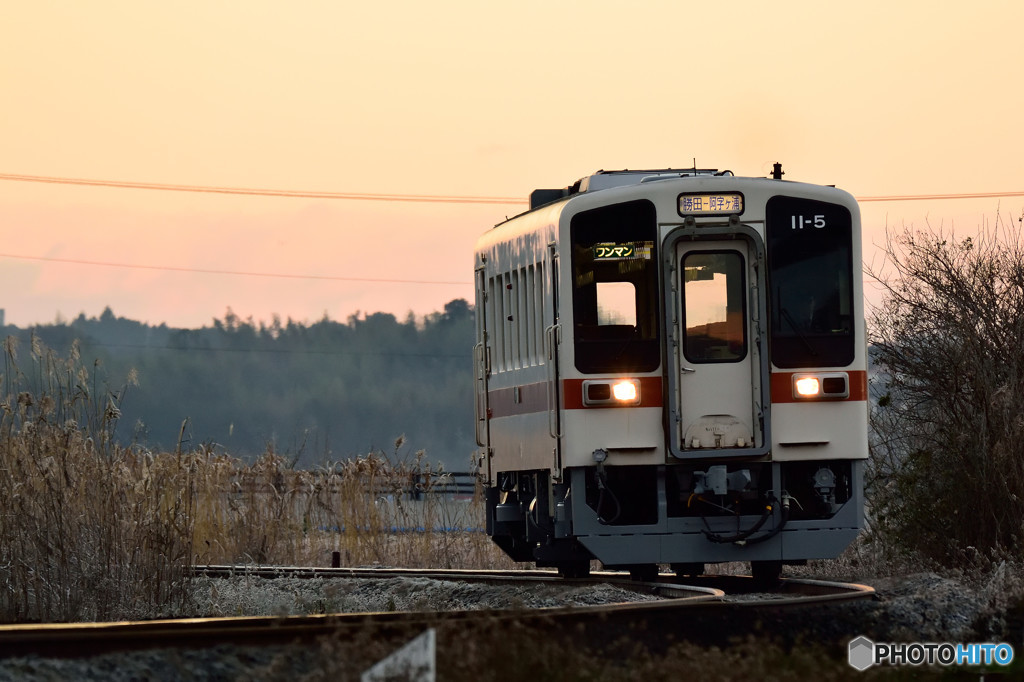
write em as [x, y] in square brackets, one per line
[683, 606]
[798, 590]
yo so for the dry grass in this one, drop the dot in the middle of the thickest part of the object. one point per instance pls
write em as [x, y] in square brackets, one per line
[93, 530]
[511, 650]
[373, 509]
[88, 530]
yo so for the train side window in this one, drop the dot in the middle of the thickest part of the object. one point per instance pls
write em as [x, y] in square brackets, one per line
[508, 308]
[515, 320]
[530, 319]
[523, 319]
[539, 291]
[714, 310]
[493, 323]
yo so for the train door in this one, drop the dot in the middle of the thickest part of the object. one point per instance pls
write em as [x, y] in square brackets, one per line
[481, 372]
[718, 402]
[552, 339]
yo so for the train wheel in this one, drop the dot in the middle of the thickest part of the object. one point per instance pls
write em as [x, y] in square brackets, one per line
[574, 569]
[688, 570]
[766, 573]
[646, 573]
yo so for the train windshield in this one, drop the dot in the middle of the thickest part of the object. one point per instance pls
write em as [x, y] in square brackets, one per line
[713, 307]
[615, 288]
[810, 279]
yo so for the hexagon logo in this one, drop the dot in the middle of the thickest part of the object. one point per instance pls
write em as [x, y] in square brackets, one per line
[862, 653]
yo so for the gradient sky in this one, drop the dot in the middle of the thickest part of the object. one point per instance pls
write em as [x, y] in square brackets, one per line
[454, 98]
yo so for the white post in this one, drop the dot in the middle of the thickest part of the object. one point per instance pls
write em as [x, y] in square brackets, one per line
[416, 662]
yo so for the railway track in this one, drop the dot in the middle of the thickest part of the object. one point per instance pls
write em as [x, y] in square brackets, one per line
[704, 608]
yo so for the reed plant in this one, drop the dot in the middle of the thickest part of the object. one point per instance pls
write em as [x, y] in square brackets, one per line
[94, 529]
[89, 530]
[374, 509]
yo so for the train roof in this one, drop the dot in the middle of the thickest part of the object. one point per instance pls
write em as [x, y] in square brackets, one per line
[603, 179]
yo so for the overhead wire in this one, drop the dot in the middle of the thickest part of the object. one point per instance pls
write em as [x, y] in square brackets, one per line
[940, 197]
[277, 351]
[255, 191]
[420, 198]
[171, 268]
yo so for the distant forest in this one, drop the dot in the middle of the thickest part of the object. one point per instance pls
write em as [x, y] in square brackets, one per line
[312, 392]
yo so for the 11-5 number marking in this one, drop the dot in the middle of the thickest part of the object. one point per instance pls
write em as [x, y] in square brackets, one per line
[798, 222]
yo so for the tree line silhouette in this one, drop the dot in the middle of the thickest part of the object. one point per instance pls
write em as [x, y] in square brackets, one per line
[313, 392]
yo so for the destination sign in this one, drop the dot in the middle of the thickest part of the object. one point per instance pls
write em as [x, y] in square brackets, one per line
[700, 204]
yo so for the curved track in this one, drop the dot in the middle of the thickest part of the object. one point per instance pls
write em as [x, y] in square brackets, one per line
[707, 607]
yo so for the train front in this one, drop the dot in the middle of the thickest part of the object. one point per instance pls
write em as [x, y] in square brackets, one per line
[714, 384]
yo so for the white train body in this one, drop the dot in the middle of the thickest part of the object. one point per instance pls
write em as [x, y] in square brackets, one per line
[671, 369]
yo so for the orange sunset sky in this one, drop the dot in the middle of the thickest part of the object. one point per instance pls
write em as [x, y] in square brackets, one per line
[454, 98]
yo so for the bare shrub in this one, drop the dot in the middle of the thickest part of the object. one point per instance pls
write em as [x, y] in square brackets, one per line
[948, 429]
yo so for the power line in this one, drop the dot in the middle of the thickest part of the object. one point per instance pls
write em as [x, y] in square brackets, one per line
[926, 197]
[170, 268]
[253, 191]
[278, 351]
[419, 198]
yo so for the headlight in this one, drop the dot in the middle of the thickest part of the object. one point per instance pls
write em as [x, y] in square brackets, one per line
[611, 392]
[626, 391]
[821, 386]
[807, 387]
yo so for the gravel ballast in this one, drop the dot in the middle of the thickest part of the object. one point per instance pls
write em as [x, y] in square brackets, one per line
[248, 596]
[924, 607]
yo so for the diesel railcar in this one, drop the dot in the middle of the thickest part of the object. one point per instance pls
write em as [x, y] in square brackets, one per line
[670, 369]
